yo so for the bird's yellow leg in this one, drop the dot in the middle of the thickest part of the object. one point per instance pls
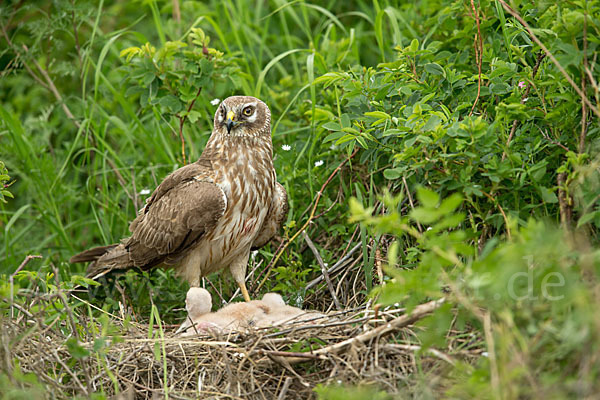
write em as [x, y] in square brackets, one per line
[238, 271]
[242, 286]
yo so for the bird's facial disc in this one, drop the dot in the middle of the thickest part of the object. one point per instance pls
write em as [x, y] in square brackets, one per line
[239, 116]
[242, 114]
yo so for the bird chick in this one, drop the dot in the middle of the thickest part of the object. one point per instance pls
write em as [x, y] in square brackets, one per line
[281, 313]
[236, 316]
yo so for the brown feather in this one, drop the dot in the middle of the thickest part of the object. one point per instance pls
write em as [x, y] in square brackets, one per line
[91, 254]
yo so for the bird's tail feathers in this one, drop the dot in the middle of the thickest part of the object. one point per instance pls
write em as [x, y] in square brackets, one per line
[91, 254]
[103, 259]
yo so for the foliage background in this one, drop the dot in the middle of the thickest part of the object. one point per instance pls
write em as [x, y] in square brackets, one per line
[452, 100]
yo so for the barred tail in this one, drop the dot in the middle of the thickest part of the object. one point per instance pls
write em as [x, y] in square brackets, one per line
[103, 259]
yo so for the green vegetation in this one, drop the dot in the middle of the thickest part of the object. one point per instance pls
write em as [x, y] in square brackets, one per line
[473, 137]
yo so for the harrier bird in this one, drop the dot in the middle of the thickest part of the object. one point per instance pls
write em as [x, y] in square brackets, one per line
[208, 215]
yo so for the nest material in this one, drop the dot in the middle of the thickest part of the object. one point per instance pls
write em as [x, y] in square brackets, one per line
[351, 347]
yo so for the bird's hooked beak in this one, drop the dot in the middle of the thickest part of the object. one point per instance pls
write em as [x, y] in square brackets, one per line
[230, 121]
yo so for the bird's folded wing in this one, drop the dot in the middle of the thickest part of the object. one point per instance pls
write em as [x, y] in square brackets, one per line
[181, 211]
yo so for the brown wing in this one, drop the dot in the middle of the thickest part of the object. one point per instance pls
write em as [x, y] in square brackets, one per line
[201, 170]
[175, 218]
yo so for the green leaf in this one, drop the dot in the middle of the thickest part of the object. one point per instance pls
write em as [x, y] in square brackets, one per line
[172, 103]
[450, 204]
[394, 173]
[586, 218]
[428, 198]
[435, 69]
[193, 116]
[547, 195]
[75, 349]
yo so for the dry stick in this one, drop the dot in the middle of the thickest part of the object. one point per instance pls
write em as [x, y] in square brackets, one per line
[33, 75]
[69, 371]
[182, 121]
[554, 142]
[12, 278]
[479, 50]
[410, 201]
[71, 319]
[412, 347]
[284, 389]
[584, 113]
[76, 35]
[308, 356]
[335, 267]
[135, 194]
[419, 312]
[314, 250]
[494, 200]
[551, 57]
[489, 338]
[308, 221]
[176, 11]
[54, 91]
[563, 201]
[524, 97]
[121, 180]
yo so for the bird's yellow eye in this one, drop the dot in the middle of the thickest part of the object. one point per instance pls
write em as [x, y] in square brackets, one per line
[247, 111]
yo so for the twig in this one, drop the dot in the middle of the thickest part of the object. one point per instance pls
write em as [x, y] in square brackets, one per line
[58, 359]
[308, 221]
[524, 97]
[75, 34]
[419, 312]
[11, 280]
[551, 57]
[308, 356]
[584, 112]
[314, 250]
[410, 201]
[285, 387]
[489, 338]
[71, 319]
[182, 121]
[121, 181]
[563, 201]
[334, 267]
[54, 90]
[495, 201]
[478, 56]
[176, 11]
[412, 347]
[548, 138]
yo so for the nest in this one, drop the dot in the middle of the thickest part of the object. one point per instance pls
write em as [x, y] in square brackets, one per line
[70, 356]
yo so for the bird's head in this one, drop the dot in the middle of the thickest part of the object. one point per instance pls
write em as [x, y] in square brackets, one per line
[198, 302]
[243, 116]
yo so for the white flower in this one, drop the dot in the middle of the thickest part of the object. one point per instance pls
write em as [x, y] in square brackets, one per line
[318, 163]
[286, 147]
[144, 192]
[214, 102]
